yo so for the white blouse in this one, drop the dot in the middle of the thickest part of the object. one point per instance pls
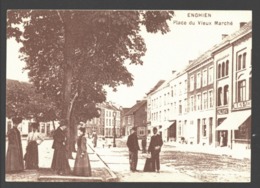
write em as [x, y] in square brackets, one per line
[35, 136]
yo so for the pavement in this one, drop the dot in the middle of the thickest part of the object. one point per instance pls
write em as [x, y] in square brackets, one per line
[111, 164]
[225, 151]
[100, 172]
[116, 158]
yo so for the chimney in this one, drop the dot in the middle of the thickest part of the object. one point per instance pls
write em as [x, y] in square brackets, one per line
[190, 61]
[173, 71]
[224, 36]
[138, 101]
[242, 24]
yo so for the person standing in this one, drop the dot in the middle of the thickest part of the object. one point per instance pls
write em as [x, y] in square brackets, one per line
[82, 164]
[60, 162]
[144, 145]
[132, 144]
[34, 139]
[14, 156]
[155, 149]
[94, 136]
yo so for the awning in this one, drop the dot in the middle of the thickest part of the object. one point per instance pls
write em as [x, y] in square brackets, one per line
[234, 120]
[166, 125]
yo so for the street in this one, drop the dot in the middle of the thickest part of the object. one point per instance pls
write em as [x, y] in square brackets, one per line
[177, 165]
[175, 160]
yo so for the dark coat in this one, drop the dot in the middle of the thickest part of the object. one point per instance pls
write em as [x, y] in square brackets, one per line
[59, 138]
[132, 143]
[156, 140]
[14, 156]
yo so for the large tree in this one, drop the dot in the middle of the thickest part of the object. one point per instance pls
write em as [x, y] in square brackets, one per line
[72, 54]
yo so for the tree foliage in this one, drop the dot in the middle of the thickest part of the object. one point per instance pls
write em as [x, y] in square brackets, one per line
[72, 54]
[23, 101]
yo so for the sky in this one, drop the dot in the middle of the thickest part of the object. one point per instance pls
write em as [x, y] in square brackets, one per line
[192, 33]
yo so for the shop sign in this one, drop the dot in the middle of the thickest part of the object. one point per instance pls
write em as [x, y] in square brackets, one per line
[222, 111]
[243, 104]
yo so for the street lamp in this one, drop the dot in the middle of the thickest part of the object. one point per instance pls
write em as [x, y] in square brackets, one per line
[114, 140]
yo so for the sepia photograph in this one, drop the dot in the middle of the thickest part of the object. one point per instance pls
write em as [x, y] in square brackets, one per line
[128, 95]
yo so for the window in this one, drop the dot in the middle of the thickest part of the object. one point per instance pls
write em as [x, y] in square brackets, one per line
[191, 83]
[180, 107]
[174, 91]
[204, 127]
[219, 71]
[204, 83]
[244, 60]
[198, 102]
[174, 107]
[210, 75]
[239, 62]
[205, 100]
[129, 120]
[220, 96]
[198, 80]
[227, 64]
[241, 90]
[223, 70]
[191, 103]
[185, 86]
[180, 88]
[226, 95]
[185, 105]
[171, 92]
[179, 128]
[210, 99]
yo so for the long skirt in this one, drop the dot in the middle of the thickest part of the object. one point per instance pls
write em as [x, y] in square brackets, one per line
[31, 156]
[60, 162]
[14, 159]
[82, 165]
[148, 167]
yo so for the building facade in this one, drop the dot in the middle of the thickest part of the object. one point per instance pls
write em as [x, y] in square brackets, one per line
[137, 117]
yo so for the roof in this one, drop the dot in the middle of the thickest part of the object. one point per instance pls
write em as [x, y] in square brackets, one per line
[135, 108]
[208, 54]
[156, 86]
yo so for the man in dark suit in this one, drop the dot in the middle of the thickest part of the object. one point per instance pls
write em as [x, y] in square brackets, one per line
[155, 149]
[132, 144]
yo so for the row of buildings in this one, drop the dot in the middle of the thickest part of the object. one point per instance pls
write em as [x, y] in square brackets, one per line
[207, 103]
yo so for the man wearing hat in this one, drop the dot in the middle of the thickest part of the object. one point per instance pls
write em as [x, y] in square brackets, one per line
[132, 144]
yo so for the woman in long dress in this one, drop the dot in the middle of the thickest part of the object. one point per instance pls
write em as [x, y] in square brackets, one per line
[82, 165]
[14, 156]
[60, 161]
[34, 139]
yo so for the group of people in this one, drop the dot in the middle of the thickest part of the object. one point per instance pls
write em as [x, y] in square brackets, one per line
[153, 162]
[16, 162]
